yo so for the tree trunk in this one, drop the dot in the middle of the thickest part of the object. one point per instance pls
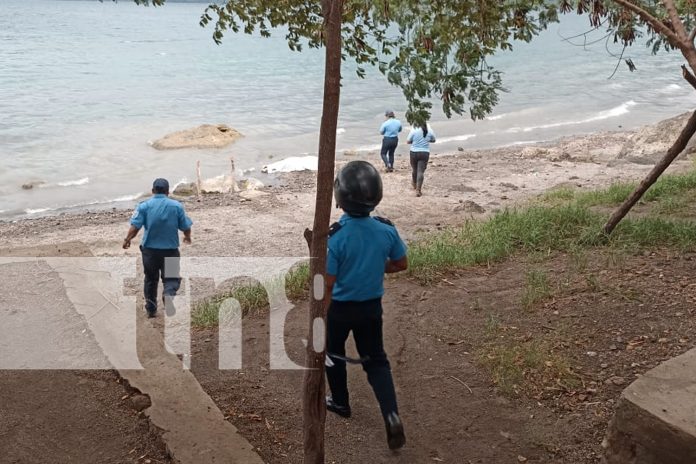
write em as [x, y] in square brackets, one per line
[314, 409]
[674, 151]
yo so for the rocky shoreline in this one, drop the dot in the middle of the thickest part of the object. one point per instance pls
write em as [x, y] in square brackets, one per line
[458, 186]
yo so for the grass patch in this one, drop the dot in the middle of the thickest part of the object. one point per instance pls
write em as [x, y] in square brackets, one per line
[252, 297]
[529, 367]
[668, 190]
[536, 288]
[539, 229]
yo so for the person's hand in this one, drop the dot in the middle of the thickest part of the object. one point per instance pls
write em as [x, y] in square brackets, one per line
[126, 244]
[187, 240]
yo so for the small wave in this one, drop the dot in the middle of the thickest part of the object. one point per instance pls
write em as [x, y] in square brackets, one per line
[340, 131]
[366, 148]
[124, 198]
[671, 88]
[496, 117]
[456, 138]
[36, 211]
[72, 183]
[620, 110]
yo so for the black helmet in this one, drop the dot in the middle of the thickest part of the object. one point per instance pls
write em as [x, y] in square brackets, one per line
[358, 188]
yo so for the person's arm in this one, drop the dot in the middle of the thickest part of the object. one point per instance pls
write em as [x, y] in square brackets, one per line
[329, 283]
[399, 265]
[409, 139]
[383, 128]
[137, 221]
[185, 224]
[132, 232]
[433, 139]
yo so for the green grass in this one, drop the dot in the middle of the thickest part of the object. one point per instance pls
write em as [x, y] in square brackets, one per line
[669, 188]
[536, 288]
[251, 297]
[538, 229]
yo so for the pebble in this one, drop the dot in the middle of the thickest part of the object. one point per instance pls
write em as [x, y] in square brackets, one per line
[591, 354]
[140, 402]
[616, 380]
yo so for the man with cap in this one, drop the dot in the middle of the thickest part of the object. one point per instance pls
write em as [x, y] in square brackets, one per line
[361, 249]
[162, 218]
[390, 130]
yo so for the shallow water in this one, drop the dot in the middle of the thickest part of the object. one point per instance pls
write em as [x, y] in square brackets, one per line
[85, 85]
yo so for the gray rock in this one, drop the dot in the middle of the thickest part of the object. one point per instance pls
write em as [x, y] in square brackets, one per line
[205, 136]
[185, 189]
[470, 207]
[140, 402]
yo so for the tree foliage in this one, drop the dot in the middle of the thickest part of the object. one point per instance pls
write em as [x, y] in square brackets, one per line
[434, 49]
[629, 21]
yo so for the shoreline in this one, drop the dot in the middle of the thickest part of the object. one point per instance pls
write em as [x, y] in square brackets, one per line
[574, 144]
[458, 186]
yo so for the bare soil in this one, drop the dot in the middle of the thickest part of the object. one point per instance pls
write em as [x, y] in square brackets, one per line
[610, 321]
[73, 417]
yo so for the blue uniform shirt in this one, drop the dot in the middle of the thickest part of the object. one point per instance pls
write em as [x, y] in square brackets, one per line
[420, 143]
[357, 255]
[163, 218]
[390, 128]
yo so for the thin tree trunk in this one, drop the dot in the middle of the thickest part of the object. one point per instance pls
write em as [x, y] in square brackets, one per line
[314, 410]
[674, 151]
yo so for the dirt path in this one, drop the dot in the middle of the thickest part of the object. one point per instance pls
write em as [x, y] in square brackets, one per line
[636, 313]
[67, 417]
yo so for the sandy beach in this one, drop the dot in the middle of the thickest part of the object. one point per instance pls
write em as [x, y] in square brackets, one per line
[458, 186]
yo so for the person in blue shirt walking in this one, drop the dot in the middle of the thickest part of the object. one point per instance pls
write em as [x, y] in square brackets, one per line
[390, 130]
[361, 249]
[420, 139]
[162, 218]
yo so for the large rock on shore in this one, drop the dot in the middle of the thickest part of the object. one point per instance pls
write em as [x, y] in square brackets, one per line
[205, 136]
[649, 143]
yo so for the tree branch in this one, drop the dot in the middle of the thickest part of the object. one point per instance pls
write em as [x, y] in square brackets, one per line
[692, 36]
[675, 19]
[654, 22]
[690, 78]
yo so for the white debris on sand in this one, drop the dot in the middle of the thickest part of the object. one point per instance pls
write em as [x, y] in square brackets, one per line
[294, 163]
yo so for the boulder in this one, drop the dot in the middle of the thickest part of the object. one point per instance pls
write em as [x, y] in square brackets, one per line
[649, 143]
[655, 418]
[185, 189]
[205, 136]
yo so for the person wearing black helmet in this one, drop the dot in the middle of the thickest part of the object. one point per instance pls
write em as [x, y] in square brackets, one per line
[361, 249]
[390, 130]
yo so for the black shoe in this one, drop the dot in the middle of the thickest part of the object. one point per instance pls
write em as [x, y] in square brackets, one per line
[151, 314]
[395, 431]
[343, 411]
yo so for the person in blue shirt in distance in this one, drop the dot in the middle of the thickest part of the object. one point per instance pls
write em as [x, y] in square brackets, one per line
[420, 139]
[390, 130]
[162, 218]
[361, 249]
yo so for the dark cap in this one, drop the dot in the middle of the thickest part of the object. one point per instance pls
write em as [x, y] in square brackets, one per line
[160, 185]
[389, 114]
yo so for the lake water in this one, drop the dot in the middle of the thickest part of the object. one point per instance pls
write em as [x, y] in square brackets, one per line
[84, 86]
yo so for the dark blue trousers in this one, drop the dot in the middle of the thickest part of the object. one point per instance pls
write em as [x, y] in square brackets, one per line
[154, 266]
[389, 145]
[364, 319]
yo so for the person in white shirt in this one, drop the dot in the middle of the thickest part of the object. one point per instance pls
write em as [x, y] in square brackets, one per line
[420, 139]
